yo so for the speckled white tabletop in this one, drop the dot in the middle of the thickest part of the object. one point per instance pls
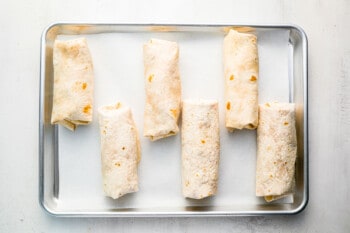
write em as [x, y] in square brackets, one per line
[327, 25]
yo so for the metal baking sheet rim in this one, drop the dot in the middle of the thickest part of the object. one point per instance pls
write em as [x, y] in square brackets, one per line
[181, 213]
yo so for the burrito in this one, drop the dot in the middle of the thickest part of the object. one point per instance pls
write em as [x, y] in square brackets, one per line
[241, 70]
[276, 150]
[120, 150]
[200, 148]
[163, 89]
[73, 83]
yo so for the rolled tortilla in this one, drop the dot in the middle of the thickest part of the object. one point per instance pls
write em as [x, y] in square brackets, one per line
[73, 83]
[200, 148]
[163, 89]
[241, 70]
[277, 150]
[120, 150]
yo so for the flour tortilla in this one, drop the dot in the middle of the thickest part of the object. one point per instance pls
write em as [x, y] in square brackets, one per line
[200, 148]
[241, 70]
[120, 150]
[73, 83]
[163, 89]
[277, 150]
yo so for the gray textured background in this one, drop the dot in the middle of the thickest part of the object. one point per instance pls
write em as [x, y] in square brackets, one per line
[327, 25]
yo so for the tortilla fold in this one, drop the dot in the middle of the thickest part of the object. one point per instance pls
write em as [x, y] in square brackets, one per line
[163, 89]
[120, 150]
[241, 71]
[276, 150]
[200, 148]
[73, 83]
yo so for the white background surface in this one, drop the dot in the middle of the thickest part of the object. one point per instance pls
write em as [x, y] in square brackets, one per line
[327, 25]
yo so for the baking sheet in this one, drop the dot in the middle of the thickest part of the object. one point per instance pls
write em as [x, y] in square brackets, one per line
[118, 68]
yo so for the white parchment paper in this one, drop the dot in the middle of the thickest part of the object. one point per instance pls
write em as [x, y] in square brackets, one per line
[118, 68]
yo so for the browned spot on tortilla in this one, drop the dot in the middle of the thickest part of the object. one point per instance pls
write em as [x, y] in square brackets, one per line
[232, 77]
[253, 78]
[203, 141]
[267, 105]
[123, 148]
[174, 112]
[87, 108]
[83, 86]
[117, 164]
[187, 183]
[228, 105]
[117, 105]
[150, 78]
[285, 123]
